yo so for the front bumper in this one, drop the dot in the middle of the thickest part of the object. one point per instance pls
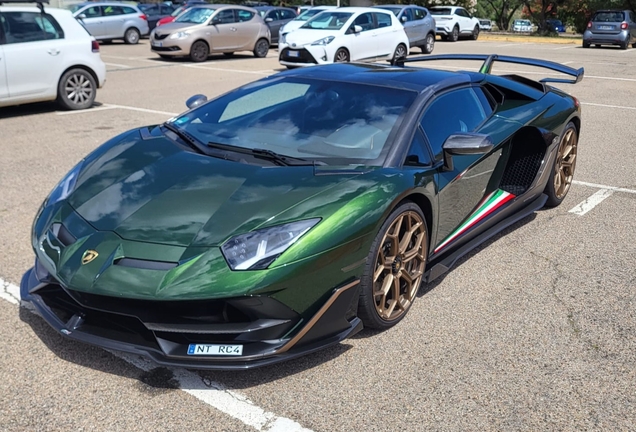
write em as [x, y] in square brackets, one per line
[605, 38]
[170, 47]
[268, 331]
[304, 56]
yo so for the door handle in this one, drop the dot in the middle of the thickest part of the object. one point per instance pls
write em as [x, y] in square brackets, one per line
[233, 28]
[53, 51]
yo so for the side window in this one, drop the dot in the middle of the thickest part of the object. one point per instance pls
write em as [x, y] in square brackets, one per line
[224, 17]
[384, 20]
[92, 12]
[453, 112]
[418, 154]
[2, 27]
[23, 27]
[244, 15]
[128, 10]
[273, 15]
[365, 21]
[287, 14]
[113, 10]
[408, 14]
[419, 14]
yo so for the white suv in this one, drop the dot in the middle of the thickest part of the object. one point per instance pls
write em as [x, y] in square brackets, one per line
[452, 22]
[45, 55]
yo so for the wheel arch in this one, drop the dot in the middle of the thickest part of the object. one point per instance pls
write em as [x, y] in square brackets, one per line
[79, 66]
[424, 204]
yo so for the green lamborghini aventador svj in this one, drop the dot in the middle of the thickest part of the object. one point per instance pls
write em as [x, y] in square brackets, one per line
[282, 217]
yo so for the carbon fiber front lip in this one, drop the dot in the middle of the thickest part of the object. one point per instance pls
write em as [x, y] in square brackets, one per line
[283, 351]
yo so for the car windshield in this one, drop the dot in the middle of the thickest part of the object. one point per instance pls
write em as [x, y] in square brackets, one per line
[333, 122]
[328, 21]
[608, 17]
[441, 11]
[195, 15]
[396, 10]
[522, 22]
[177, 11]
[308, 14]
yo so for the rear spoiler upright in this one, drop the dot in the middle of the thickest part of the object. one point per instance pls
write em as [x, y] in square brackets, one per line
[489, 59]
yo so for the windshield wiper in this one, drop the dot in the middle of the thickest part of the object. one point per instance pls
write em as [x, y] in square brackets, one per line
[266, 154]
[189, 139]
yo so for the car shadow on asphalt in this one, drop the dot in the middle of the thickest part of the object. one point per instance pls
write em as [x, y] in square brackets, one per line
[211, 58]
[36, 109]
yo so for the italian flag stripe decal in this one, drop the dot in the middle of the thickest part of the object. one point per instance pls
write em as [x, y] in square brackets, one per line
[488, 205]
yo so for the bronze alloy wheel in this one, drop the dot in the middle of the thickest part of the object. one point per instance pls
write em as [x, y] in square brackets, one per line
[565, 163]
[394, 268]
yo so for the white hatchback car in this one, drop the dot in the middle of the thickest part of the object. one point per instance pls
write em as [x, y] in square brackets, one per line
[342, 35]
[47, 55]
[454, 22]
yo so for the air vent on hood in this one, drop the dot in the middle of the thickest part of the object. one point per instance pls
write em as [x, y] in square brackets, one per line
[62, 234]
[145, 264]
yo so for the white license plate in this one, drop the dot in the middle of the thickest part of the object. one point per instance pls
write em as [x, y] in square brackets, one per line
[606, 27]
[293, 53]
[214, 349]
[157, 44]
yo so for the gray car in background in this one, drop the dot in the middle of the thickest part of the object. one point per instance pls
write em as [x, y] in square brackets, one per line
[108, 21]
[611, 27]
[275, 18]
[418, 23]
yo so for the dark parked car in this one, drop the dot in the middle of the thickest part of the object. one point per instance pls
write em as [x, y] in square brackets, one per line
[156, 11]
[418, 23]
[611, 27]
[275, 18]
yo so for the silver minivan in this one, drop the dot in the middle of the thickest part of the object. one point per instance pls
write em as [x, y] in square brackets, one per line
[108, 21]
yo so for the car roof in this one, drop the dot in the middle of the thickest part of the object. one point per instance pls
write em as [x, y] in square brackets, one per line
[107, 3]
[401, 6]
[407, 78]
[272, 7]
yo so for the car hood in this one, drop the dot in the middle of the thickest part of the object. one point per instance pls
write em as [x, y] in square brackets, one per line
[172, 27]
[153, 190]
[291, 26]
[302, 37]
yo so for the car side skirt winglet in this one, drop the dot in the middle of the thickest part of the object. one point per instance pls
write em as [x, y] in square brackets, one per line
[489, 60]
[441, 266]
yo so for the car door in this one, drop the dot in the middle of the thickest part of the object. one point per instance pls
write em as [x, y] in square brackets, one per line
[385, 40]
[93, 21]
[272, 19]
[362, 45]
[463, 187]
[465, 23]
[421, 25]
[223, 34]
[406, 18]
[115, 20]
[33, 54]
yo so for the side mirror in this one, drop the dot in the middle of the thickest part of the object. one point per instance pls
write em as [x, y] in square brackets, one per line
[357, 29]
[269, 19]
[404, 19]
[462, 144]
[81, 16]
[196, 100]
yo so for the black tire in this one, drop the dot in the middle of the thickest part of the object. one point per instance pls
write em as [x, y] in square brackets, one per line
[400, 52]
[444, 37]
[261, 48]
[368, 306]
[106, 41]
[429, 44]
[199, 51]
[634, 45]
[625, 45]
[597, 45]
[76, 89]
[554, 197]
[454, 36]
[586, 44]
[228, 54]
[132, 36]
[475, 34]
[341, 56]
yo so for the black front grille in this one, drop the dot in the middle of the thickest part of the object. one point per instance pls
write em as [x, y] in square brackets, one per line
[161, 37]
[304, 56]
[172, 48]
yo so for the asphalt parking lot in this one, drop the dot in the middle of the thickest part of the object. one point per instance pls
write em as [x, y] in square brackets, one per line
[536, 330]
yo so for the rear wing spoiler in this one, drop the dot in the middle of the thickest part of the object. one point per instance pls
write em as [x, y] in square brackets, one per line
[489, 59]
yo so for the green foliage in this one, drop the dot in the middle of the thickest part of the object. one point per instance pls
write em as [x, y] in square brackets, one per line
[500, 11]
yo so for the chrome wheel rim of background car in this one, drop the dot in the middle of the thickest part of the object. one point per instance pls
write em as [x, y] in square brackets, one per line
[78, 89]
[262, 47]
[399, 266]
[132, 37]
[342, 56]
[566, 161]
[400, 52]
[199, 51]
[430, 43]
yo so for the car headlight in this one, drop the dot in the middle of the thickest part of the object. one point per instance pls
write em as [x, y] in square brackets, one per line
[66, 186]
[256, 250]
[179, 35]
[283, 38]
[324, 41]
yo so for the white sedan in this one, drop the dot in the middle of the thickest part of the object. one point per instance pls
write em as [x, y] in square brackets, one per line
[343, 35]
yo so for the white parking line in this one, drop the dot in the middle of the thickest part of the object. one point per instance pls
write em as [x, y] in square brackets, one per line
[112, 106]
[608, 106]
[212, 393]
[117, 65]
[600, 186]
[565, 47]
[89, 110]
[191, 66]
[591, 202]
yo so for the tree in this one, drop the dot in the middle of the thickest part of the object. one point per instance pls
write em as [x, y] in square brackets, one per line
[541, 10]
[502, 11]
